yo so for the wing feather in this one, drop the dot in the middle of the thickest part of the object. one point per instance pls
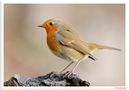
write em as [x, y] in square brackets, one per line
[70, 39]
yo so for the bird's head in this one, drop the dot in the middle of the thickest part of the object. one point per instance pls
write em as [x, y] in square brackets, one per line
[51, 25]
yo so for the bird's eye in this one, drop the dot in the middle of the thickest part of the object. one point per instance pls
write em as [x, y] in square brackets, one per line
[51, 23]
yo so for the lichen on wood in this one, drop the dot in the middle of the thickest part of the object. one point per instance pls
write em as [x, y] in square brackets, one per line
[50, 79]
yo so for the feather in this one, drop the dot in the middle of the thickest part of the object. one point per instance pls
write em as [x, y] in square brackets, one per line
[69, 39]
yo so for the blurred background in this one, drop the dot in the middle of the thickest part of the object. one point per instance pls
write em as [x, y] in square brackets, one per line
[25, 48]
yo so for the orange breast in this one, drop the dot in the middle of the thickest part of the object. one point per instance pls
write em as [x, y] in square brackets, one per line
[51, 42]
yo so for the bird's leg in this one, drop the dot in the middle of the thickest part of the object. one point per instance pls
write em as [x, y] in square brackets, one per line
[69, 73]
[67, 66]
[76, 65]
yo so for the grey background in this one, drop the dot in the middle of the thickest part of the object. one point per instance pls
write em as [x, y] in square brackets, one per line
[26, 52]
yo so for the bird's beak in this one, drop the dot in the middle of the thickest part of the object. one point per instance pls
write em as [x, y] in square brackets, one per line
[39, 26]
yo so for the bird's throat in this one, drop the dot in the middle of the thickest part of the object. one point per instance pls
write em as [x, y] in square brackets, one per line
[52, 43]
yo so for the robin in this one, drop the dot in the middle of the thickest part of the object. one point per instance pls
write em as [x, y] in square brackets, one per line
[65, 43]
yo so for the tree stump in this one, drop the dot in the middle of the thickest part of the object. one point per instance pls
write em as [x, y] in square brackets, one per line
[50, 79]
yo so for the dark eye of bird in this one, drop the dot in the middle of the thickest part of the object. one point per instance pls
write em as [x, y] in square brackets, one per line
[51, 23]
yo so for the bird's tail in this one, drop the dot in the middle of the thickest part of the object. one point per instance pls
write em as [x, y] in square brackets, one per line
[98, 46]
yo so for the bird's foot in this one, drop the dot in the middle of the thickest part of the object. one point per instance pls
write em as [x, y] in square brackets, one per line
[68, 74]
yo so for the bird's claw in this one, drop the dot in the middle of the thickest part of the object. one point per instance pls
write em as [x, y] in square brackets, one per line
[67, 74]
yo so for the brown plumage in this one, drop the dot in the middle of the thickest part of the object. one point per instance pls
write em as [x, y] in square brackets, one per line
[66, 44]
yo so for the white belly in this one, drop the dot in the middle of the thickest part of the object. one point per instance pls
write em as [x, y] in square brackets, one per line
[69, 54]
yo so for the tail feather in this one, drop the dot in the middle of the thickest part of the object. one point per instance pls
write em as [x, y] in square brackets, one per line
[107, 47]
[103, 46]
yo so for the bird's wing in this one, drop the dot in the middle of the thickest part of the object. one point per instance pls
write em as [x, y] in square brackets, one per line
[67, 31]
[70, 39]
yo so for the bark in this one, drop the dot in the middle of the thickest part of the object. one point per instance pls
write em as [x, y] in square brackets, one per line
[50, 79]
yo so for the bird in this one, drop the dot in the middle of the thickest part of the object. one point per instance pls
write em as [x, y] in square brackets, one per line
[65, 43]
